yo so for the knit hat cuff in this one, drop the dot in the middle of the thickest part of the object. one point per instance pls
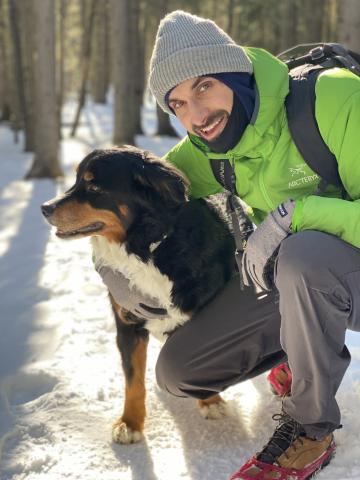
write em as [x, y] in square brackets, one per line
[196, 61]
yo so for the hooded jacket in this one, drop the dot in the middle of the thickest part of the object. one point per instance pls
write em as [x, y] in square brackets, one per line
[269, 169]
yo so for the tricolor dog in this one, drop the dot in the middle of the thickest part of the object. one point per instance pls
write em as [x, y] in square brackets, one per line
[135, 208]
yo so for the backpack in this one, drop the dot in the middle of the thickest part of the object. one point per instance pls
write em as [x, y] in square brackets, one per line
[300, 104]
[300, 109]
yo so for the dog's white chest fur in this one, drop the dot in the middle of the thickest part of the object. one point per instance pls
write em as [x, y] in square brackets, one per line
[148, 280]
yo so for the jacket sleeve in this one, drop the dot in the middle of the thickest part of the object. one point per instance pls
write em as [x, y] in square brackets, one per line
[196, 166]
[334, 215]
[329, 215]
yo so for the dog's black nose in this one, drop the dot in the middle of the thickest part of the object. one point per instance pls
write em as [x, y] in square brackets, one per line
[48, 209]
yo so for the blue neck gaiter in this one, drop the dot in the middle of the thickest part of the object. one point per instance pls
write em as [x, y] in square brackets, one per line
[242, 84]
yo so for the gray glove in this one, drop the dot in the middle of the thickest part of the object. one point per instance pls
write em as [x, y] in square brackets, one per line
[263, 245]
[128, 298]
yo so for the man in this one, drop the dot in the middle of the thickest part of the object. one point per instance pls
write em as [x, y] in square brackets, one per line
[231, 101]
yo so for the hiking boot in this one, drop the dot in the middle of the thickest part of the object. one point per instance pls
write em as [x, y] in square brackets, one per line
[289, 454]
[280, 379]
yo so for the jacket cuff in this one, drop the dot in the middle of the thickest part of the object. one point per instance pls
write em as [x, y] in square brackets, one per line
[297, 215]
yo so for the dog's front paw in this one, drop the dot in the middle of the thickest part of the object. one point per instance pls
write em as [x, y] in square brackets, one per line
[213, 408]
[122, 433]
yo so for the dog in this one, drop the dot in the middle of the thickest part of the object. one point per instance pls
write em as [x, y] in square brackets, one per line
[137, 211]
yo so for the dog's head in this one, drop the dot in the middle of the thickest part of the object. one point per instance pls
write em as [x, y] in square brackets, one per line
[123, 194]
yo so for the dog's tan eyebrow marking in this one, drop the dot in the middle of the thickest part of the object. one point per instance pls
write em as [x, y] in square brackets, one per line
[88, 176]
[124, 210]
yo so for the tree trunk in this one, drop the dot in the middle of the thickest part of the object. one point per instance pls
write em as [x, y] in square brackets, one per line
[100, 54]
[331, 30]
[28, 72]
[2, 85]
[10, 68]
[124, 131]
[5, 108]
[288, 36]
[85, 67]
[14, 21]
[164, 125]
[230, 17]
[60, 74]
[349, 31]
[138, 65]
[46, 163]
[214, 10]
[314, 20]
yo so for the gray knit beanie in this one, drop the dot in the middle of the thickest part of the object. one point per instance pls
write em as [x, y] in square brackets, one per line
[188, 46]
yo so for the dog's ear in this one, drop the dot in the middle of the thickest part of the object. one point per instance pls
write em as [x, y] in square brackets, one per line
[163, 178]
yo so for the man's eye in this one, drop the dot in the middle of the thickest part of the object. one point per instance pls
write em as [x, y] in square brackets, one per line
[176, 105]
[204, 86]
[91, 187]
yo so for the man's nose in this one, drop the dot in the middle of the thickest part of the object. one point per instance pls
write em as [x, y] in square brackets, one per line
[199, 114]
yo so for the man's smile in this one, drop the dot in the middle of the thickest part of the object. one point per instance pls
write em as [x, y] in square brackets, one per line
[213, 129]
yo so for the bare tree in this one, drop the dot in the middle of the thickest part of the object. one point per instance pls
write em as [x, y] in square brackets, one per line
[45, 163]
[164, 125]
[288, 34]
[5, 109]
[14, 21]
[331, 20]
[85, 66]
[230, 17]
[27, 64]
[100, 60]
[314, 20]
[124, 130]
[10, 61]
[61, 54]
[349, 32]
[215, 8]
[137, 66]
[2, 85]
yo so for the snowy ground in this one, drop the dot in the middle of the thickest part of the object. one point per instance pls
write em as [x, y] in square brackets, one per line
[60, 377]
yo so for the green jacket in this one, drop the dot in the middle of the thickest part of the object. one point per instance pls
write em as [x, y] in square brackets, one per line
[269, 169]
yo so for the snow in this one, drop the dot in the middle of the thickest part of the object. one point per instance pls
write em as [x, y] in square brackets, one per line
[61, 385]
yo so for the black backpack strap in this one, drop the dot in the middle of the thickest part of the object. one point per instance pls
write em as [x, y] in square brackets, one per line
[224, 174]
[325, 54]
[300, 109]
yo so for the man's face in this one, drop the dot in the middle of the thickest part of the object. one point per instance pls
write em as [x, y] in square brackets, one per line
[203, 106]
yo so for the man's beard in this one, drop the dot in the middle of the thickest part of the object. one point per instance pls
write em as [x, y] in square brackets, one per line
[218, 115]
[231, 134]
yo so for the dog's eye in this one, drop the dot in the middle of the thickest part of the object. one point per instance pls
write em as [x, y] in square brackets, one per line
[91, 187]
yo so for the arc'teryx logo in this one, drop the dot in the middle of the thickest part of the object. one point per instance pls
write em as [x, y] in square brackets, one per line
[297, 170]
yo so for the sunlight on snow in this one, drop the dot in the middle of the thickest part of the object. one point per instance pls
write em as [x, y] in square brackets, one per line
[250, 397]
[174, 461]
[13, 201]
[80, 296]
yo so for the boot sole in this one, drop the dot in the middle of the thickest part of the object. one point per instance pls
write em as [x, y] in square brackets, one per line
[323, 465]
[263, 468]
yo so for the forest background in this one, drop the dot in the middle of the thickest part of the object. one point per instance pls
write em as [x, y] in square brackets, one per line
[52, 51]
[73, 77]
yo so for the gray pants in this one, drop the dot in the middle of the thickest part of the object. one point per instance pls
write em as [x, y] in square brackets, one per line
[237, 336]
